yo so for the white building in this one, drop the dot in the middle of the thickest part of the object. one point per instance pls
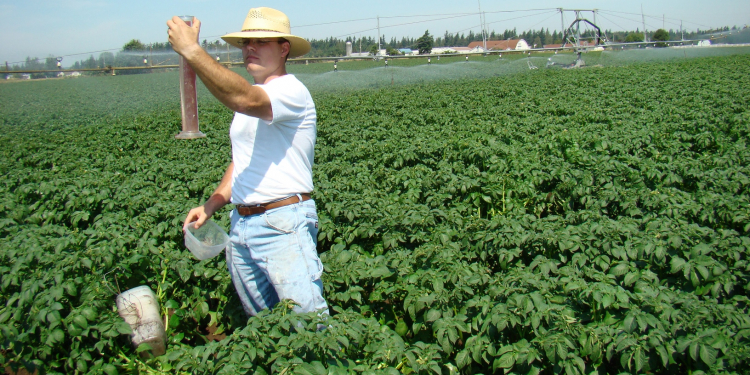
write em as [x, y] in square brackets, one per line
[502, 45]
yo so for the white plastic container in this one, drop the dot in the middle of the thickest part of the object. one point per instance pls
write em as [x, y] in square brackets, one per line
[140, 309]
[207, 241]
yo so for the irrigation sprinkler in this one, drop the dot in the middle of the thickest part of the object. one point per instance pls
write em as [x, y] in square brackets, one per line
[59, 63]
[335, 65]
[188, 97]
[429, 61]
[591, 36]
[529, 63]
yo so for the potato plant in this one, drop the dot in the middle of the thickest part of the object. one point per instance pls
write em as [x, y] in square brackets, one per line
[577, 222]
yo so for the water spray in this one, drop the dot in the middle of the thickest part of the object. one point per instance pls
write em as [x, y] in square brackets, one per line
[188, 97]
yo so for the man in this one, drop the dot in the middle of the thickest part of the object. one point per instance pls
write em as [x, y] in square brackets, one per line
[274, 227]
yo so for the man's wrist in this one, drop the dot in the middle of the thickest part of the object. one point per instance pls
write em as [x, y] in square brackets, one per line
[214, 203]
[191, 52]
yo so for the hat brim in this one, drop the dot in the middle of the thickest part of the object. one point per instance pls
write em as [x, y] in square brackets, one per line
[299, 46]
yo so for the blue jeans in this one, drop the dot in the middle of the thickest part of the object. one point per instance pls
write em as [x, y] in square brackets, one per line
[272, 257]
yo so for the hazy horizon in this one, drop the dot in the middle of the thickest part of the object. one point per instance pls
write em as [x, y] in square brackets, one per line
[32, 28]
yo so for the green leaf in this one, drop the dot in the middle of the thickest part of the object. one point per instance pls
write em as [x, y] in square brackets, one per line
[619, 269]
[640, 359]
[463, 359]
[401, 330]
[580, 363]
[533, 370]
[110, 369]
[57, 335]
[694, 350]
[123, 328]
[381, 272]
[708, 354]
[80, 321]
[631, 278]
[507, 360]
[629, 324]
[677, 264]
[432, 315]
[663, 355]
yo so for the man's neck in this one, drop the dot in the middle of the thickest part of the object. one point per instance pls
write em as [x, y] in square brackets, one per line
[262, 80]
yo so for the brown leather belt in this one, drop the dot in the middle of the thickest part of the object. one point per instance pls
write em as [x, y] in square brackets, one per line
[246, 210]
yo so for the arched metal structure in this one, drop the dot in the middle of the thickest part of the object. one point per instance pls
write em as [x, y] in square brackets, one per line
[591, 37]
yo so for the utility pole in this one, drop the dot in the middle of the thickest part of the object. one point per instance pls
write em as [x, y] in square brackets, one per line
[681, 31]
[484, 29]
[481, 24]
[643, 18]
[378, 36]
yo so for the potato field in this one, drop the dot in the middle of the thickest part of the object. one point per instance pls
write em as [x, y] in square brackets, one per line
[590, 221]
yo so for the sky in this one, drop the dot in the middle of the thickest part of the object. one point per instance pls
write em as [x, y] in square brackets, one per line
[76, 29]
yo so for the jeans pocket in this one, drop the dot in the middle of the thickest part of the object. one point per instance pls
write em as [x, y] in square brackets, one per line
[282, 220]
[312, 226]
[315, 265]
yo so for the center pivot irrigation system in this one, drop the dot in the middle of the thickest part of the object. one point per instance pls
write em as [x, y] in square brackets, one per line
[583, 35]
[581, 42]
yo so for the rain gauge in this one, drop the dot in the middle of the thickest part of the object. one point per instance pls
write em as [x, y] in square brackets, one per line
[188, 97]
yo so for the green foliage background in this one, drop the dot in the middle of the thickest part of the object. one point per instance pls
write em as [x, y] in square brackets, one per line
[557, 221]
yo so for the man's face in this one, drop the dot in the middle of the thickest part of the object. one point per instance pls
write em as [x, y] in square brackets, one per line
[264, 56]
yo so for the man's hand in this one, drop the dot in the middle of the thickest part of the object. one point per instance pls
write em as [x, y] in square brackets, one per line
[221, 197]
[199, 215]
[184, 38]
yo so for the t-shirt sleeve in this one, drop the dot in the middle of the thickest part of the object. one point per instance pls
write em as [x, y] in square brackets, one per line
[288, 102]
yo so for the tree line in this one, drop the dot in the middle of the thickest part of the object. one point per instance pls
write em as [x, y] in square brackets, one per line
[134, 52]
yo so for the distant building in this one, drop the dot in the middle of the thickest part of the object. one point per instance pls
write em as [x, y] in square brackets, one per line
[442, 50]
[502, 45]
[704, 43]
[451, 50]
[361, 54]
[75, 74]
[407, 51]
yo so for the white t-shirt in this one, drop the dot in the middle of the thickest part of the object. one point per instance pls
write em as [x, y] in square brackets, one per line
[273, 160]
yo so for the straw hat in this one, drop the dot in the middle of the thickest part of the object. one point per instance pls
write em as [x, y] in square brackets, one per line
[268, 23]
